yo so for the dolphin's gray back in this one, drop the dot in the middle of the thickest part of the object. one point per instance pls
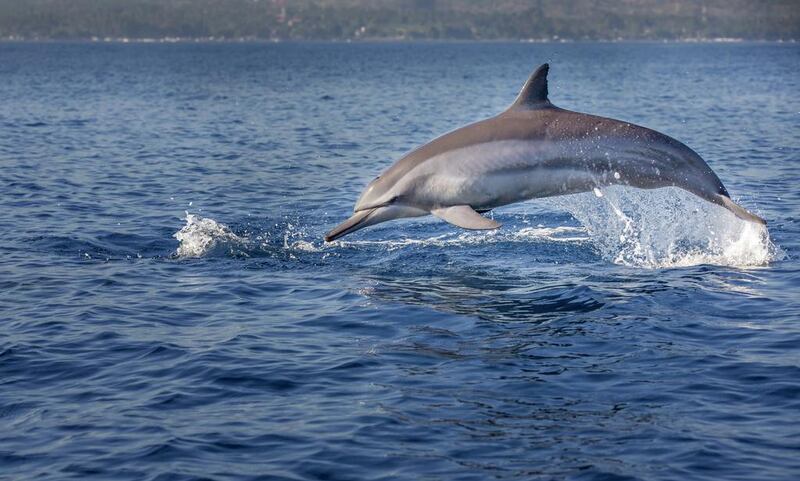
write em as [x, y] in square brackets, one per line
[596, 144]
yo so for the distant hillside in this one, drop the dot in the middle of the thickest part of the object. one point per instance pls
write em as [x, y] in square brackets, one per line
[404, 19]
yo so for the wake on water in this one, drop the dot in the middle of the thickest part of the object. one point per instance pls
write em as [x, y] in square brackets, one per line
[631, 227]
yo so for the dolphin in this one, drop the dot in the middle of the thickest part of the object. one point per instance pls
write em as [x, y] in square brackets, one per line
[533, 149]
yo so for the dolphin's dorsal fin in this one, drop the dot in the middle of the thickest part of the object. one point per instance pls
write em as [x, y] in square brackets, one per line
[534, 93]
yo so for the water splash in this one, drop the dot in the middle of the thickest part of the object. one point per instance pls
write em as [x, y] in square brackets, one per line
[202, 237]
[668, 228]
[205, 237]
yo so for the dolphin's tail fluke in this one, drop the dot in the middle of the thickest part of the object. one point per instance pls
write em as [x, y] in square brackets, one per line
[738, 210]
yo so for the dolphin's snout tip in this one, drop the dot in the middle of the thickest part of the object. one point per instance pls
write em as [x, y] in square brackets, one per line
[335, 233]
[354, 223]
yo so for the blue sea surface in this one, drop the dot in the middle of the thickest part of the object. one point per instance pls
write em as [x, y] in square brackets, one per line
[169, 311]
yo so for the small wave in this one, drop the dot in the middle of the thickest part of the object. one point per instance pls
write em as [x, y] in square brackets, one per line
[668, 228]
[467, 238]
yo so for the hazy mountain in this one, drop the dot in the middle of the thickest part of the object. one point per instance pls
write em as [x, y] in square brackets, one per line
[435, 19]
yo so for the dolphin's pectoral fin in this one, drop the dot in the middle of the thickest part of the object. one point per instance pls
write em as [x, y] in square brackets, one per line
[465, 217]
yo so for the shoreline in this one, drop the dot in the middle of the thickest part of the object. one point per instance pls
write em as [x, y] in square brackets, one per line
[256, 40]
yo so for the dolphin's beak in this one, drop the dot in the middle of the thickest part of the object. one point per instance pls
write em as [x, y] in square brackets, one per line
[355, 222]
[375, 215]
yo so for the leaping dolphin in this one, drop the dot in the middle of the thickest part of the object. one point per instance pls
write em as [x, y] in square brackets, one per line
[533, 149]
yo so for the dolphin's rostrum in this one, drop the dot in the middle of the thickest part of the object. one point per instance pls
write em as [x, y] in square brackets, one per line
[533, 149]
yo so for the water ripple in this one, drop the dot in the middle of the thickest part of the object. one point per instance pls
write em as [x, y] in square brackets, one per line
[170, 311]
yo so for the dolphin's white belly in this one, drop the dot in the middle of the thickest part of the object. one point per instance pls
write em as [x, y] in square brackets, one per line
[492, 174]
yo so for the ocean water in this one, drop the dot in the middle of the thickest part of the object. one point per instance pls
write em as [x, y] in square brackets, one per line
[168, 309]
